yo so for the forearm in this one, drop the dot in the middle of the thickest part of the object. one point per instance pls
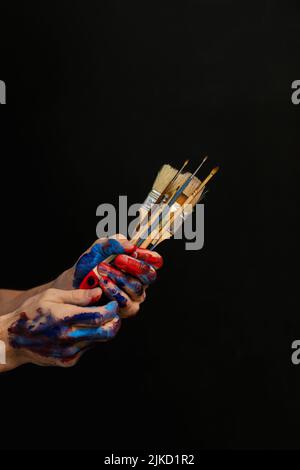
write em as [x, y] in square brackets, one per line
[7, 297]
[11, 299]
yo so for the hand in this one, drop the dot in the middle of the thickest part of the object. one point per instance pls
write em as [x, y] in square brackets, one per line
[57, 326]
[125, 281]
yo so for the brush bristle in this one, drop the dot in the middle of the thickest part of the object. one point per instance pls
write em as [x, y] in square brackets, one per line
[192, 186]
[180, 180]
[163, 178]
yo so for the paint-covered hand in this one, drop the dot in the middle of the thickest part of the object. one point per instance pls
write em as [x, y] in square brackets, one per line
[57, 326]
[125, 281]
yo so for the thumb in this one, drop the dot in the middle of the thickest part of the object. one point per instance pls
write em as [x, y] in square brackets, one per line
[127, 244]
[80, 297]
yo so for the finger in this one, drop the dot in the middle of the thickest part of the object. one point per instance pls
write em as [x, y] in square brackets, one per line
[128, 284]
[98, 253]
[92, 316]
[81, 297]
[47, 329]
[111, 329]
[128, 307]
[151, 257]
[91, 335]
[116, 245]
[68, 314]
[113, 292]
[139, 269]
[64, 353]
[127, 244]
[65, 356]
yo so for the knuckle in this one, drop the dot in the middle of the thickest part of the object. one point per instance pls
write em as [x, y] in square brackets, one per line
[78, 295]
[99, 241]
[73, 296]
[43, 297]
[81, 294]
[137, 288]
[151, 276]
[49, 293]
[110, 333]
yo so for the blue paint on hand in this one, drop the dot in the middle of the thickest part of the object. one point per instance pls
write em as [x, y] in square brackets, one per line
[54, 337]
[98, 253]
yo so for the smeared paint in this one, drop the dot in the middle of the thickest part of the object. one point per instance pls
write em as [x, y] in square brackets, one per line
[98, 253]
[128, 283]
[137, 268]
[48, 336]
[112, 291]
[150, 257]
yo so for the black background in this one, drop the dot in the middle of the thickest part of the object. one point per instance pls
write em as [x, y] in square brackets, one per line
[99, 96]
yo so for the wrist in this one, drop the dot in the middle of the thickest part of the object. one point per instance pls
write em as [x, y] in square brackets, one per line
[64, 280]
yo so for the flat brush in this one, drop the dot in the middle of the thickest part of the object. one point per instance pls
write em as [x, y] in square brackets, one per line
[165, 175]
[158, 195]
[169, 188]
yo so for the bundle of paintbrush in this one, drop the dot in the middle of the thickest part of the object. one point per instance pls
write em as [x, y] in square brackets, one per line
[177, 192]
[172, 198]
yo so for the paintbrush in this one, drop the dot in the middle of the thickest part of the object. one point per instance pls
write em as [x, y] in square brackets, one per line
[181, 213]
[162, 180]
[178, 198]
[178, 216]
[164, 211]
[165, 177]
[169, 188]
[160, 191]
[190, 188]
